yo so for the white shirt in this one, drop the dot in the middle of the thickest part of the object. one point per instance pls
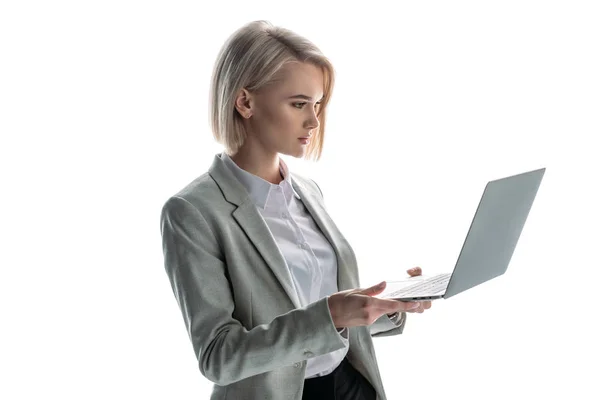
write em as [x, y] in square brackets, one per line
[308, 255]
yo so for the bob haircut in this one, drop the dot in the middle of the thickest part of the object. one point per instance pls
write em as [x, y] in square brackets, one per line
[250, 58]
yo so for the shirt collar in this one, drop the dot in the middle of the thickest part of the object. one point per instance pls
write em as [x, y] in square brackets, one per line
[258, 188]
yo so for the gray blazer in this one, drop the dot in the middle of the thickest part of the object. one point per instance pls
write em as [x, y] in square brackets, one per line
[248, 329]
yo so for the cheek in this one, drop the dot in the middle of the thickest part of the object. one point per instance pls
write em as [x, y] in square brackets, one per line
[278, 117]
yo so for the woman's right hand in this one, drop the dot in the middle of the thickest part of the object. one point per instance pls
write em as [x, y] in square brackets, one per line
[357, 307]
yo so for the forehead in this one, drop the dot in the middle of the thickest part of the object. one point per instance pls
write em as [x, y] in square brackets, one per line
[300, 78]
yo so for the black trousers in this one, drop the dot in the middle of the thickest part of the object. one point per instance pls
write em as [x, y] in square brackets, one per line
[344, 383]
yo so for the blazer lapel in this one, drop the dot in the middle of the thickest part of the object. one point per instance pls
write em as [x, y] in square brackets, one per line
[347, 269]
[253, 224]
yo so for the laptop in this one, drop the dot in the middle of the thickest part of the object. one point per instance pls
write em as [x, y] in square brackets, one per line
[489, 245]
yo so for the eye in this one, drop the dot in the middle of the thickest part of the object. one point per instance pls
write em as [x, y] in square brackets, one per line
[301, 104]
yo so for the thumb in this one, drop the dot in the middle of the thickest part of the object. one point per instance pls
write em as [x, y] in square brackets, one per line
[373, 290]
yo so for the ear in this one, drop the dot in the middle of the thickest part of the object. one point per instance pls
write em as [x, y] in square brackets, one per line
[243, 103]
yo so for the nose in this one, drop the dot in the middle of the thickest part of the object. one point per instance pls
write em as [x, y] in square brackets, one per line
[312, 122]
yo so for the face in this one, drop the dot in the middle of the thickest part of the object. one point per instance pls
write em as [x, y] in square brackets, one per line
[279, 115]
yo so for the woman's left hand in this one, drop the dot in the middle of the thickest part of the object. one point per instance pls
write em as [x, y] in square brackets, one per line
[424, 305]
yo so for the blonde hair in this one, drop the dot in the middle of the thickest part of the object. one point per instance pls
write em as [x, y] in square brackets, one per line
[249, 59]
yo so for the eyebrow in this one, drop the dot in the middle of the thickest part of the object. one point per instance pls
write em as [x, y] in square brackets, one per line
[303, 96]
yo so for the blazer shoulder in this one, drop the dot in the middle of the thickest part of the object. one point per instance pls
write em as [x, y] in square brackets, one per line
[203, 193]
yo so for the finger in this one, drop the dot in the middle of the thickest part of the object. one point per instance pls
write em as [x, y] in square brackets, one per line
[373, 290]
[423, 305]
[418, 309]
[405, 306]
[391, 306]
[416, 271]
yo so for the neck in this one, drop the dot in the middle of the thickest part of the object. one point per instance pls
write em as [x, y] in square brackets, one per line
[263, 164]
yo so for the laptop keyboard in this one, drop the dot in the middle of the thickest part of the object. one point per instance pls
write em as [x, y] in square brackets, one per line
[427, 287]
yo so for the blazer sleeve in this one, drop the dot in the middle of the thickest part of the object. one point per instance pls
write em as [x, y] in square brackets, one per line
[226, 351]
[383, 326]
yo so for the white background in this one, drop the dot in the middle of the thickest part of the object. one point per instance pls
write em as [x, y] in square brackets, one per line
[103, 116]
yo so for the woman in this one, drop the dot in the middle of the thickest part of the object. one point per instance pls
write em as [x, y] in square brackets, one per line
[266, 283]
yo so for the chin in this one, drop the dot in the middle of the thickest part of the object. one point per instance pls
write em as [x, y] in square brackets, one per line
[300, 153]
[296, 153]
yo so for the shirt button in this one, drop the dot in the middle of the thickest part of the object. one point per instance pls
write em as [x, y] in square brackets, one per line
[298, 365]
[284, 215]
